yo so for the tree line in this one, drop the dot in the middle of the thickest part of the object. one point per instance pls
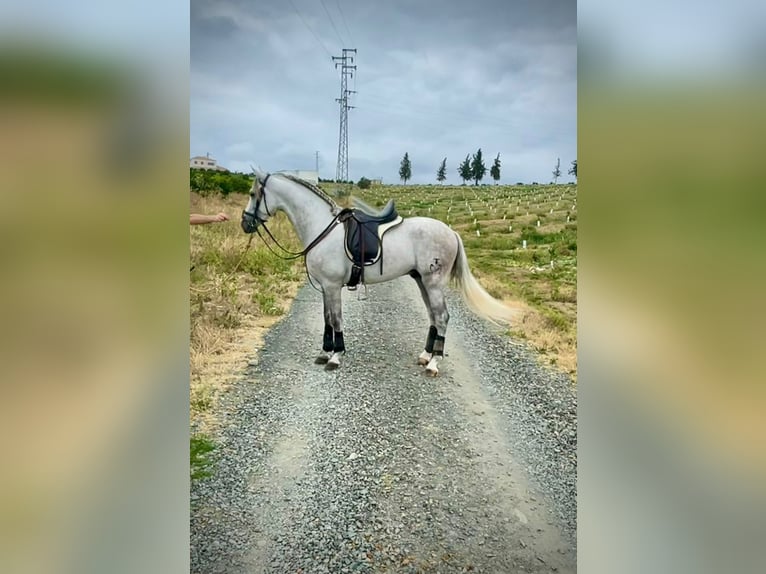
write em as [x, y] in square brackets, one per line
[473, 168]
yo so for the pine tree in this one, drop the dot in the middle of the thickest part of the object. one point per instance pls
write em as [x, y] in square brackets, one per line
[465, 169]
[557, 172]
[405, 169]
[478, 169]
[573, 169]
[441, 175]
[495, 171]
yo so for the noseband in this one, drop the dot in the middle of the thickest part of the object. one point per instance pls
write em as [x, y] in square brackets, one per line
[261, 197]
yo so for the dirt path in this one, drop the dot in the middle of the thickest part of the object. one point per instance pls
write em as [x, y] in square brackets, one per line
[377, 468]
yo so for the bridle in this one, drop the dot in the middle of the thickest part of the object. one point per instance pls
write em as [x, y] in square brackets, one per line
[261, 197]
[340, 217]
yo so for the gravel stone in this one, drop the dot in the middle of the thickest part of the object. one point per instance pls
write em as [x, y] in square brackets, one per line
[376, 467]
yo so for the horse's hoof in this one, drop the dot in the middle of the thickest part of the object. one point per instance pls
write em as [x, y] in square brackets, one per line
[321, 360]
[432, 372]
[422, 362]
[331, 366]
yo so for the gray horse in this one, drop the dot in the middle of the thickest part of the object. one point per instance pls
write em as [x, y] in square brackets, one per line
[422, 247]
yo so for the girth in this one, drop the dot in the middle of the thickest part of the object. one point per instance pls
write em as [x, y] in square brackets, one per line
[364, 239]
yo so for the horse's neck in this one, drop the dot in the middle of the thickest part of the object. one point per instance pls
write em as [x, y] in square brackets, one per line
[308, 212]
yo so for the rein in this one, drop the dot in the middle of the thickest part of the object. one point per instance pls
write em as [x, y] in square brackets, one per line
[228, 275]
[342, 216]
[292, 254]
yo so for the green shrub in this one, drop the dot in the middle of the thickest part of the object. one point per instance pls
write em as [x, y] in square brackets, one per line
[206, 182]
[534, 237]
[556, 320]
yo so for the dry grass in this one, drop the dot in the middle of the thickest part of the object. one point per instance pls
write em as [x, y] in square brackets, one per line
[233, 300]
[554, 340]
[556, 348]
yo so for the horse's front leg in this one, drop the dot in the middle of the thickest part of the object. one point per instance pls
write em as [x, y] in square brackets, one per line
[328, 338]
[328, 343]
[333, 327]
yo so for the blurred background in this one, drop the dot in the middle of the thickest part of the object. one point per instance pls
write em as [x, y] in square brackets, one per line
[672, 455]
[94, 305]
[94, 315]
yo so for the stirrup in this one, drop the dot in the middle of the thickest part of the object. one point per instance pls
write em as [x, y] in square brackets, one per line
[359, 296]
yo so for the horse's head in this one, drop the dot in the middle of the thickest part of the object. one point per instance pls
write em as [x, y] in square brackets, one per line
[257, 210]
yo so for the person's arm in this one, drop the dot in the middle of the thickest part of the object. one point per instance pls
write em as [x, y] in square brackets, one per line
[197, 219]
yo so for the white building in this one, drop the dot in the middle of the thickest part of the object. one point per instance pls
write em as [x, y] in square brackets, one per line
[205, 162]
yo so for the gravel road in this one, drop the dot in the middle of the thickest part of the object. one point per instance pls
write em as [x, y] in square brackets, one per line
[376, 467]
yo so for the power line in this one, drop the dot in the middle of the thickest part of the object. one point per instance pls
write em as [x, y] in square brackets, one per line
[344, 21]
[419, 122]
[311, 30]
[417, 110]
[331, 22]
[435, 125]
[346, 70]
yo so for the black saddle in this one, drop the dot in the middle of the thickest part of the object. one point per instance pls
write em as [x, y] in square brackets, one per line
[388, 213]
[364, 238]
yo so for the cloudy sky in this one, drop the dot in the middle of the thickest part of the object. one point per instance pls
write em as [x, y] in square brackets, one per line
[434, 79]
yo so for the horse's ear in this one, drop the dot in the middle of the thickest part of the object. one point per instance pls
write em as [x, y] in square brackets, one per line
[258, 173]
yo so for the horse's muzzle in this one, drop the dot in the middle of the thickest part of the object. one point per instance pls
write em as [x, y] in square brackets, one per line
[249, 222]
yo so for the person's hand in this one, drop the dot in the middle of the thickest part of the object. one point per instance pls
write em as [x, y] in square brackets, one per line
[197, 219]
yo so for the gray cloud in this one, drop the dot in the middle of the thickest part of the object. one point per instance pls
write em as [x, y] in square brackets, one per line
[434, 79]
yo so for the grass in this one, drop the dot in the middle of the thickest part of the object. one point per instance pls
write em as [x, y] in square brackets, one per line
[201, 450]
[507, 216]
[236, 293]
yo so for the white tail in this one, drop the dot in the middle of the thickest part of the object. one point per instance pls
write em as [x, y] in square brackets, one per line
[477, 299]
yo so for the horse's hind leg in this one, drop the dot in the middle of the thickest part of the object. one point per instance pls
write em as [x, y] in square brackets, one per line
[440, 320]
[425, 356]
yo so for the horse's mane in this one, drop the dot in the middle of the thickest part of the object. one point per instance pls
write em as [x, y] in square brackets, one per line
[313, 188]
